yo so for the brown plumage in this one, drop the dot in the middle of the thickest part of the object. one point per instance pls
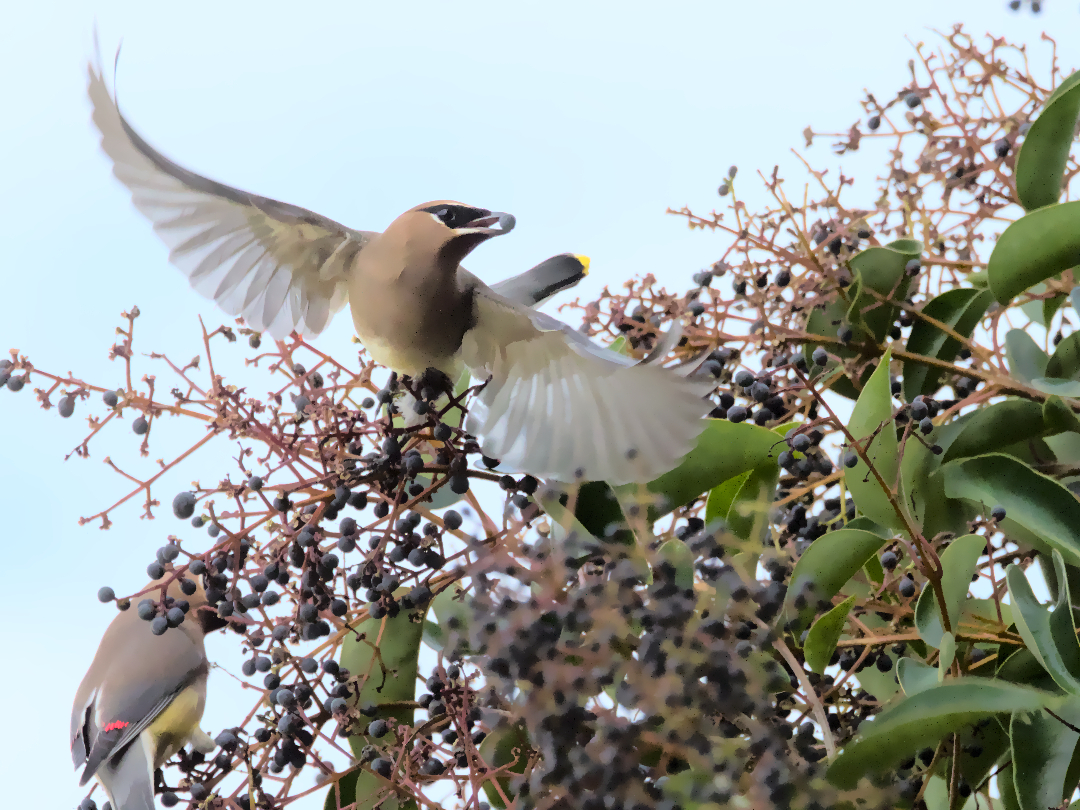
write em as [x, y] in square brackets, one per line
[555, 405]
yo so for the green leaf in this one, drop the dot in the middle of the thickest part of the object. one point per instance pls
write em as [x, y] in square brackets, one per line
[958, 564]
[915, 676]
[878, 268]
[434, 635]
[960, 308]
[1050, 637]
[992, 427]
[1062, 388]
[1037, 503]
[502, 746]
[721, 497]
[872, 415]
[1059, 417]
[1034, 248]
[342, 793]
[1007, 790]
[993, 739]
[1042, 749]
[925, 492]
[448, 611]
[1026, 359]
[391, 679]
[948, 655]
[748, 516]
[829, 563]
[1040, 165]
[1050, 306]
[924, 719]
[724, 450]
[822, 638]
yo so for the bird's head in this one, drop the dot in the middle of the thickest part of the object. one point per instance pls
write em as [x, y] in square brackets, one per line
[204, 614]
[450, 229]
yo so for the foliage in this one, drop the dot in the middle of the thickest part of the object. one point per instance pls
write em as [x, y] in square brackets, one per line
[829, 604]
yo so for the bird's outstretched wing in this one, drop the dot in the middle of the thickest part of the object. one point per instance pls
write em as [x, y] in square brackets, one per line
[279, 266]
[560, 407]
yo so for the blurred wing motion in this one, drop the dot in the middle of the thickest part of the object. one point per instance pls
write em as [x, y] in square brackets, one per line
[561, 407]
[279, 266]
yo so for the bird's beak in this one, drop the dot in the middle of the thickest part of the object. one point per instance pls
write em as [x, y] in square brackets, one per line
[494, 223]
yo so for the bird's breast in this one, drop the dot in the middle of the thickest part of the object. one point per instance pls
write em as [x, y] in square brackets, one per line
[173, 727]
[410, 322]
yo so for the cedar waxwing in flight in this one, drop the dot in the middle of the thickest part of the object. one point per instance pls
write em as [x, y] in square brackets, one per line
[142, 698]
[555, 405]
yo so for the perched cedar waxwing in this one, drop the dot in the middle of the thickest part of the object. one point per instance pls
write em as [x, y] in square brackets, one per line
[535, 286]
[555, 405]
[142, 698]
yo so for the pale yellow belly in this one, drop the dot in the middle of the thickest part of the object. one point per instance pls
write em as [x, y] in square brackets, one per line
[173, 727]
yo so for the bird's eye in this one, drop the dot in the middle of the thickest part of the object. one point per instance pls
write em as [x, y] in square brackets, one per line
[446, 216]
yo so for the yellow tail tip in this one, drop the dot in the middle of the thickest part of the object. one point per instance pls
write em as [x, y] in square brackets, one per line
[584, 263]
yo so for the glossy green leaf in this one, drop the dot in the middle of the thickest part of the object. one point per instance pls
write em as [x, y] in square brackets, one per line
[948, 655]
[1042, 750]
[958, 564]
[1039, 504]
[992, 427]
[1025, 357]
[823, 635]
[872, 416]
[1049, 636]
[724, 450]
[504, 745]
[924, 719]
[722, 496]
[1051, 307]
[449, 613]
[829, 563]
[915, 676]
[1006, 789]
[342, 793]
[882, 685]
[1061, 388]
[1059, 417]
[993, 739]
[1065, 361]
[867, 525]
[1040, 165]
[391, 679]
[961, 309]
[434, 635]
[748, 516]
[1035, 247]
[878, 268]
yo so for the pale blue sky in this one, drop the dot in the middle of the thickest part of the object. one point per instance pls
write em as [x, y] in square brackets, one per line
[585, 120]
